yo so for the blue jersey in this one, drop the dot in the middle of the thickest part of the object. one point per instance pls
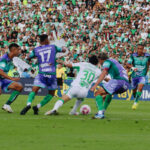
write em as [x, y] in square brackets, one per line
[5, 63]
[46, 56]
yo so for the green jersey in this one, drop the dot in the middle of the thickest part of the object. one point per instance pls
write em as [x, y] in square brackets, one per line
[139, 62]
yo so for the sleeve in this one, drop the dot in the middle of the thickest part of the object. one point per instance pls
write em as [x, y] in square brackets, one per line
[2, 65]
[106, 65]
[76, 66]
[58, 49]
[32, 54]
[130, 60]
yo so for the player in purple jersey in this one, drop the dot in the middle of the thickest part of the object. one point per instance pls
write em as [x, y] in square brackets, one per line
[46, 56]
[7, 82]
[118, 84]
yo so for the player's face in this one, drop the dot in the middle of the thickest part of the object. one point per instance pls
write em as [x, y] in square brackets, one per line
[16, 51]
[140, 50]
[101, 61]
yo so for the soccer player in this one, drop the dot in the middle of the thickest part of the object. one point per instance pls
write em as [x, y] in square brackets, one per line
[60, 73]
[117, 84]
[139, 62]
[6, 81]
[46, 55]
[88, 72]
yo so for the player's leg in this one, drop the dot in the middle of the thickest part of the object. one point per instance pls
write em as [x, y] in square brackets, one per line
[58, 104]
[137, 92]
[76, 106]
[45, 100]
[16, 87]
[107, 101]
[31, 97]
[100, 93]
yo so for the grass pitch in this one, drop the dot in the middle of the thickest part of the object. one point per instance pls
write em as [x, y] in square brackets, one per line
[122, 129]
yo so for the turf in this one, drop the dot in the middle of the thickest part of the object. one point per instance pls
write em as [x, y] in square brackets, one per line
[122, 129]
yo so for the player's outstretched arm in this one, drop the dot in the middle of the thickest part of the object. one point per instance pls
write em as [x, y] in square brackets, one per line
[100, 79]
[3, 74]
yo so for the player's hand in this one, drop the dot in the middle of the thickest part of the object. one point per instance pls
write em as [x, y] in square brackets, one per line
[134, 69]
[15, 79]
[93, 88]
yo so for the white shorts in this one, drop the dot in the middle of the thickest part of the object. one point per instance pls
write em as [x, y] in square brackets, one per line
[76, 91]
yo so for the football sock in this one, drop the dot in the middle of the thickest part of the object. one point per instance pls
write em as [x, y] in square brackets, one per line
[138, 95]
[30, 98]
[46, 99]
[107, 101]
[61, 91]
[99, 102]
[12, 97]
[58, 104]
[77, 104]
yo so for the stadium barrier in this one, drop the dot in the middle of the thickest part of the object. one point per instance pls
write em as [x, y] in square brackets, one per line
[28, 83]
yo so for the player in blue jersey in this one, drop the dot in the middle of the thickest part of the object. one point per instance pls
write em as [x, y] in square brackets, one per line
[7, 82]
[46, 55]
[117, 84]
[139, 63]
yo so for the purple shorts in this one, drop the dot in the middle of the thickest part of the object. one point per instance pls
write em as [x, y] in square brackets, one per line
[138, 80]
[48, 81]
[4, 84]
[114, 86]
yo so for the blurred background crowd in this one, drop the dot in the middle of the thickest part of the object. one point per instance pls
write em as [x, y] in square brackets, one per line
[85, 27]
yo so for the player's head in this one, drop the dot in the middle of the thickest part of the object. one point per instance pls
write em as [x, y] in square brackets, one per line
[14, 49]
[60, 65]
[93, 60]
[44, 39]
[140, 49]
[102, 57]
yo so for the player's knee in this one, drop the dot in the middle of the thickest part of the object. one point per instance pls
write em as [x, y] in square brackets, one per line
[19, 87]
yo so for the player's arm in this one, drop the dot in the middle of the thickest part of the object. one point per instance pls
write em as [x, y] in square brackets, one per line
[130, 64]
[60, 50]
[148, 66]
[4, 75]
[100, 79]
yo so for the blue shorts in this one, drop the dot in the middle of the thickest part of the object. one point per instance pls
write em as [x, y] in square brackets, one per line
[138, 80]
[43, 81]
[114, 86]
[4, 84]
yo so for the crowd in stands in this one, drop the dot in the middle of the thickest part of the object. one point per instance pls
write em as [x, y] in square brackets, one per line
[87, 26]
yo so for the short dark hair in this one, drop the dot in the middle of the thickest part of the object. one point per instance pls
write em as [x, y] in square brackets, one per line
[141, 44]
[93, 60]
[43, 37]
[103, 56]
[13, 45]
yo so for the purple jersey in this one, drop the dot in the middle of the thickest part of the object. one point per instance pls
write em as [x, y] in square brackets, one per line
[46, 55]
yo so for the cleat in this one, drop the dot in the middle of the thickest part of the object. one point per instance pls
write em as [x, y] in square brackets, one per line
[7, 108]
[134, 106]
[35, 109]
[25, 110]
[51, 112]
[74, 113]
[98, 116]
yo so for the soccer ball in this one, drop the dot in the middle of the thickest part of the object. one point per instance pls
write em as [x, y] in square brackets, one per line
[85, 109]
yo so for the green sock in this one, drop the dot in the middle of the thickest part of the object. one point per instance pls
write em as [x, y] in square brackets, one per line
[30, 98]
[99, 102]
[46, 99]
[107, 101]
[12, 97]
[138, 95]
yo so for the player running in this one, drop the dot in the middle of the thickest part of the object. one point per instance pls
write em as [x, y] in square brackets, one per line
[118, 84]
[139, 62]
[88, 72]
[7, 82]
[46, 55]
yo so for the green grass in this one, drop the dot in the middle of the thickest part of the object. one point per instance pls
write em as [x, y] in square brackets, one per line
[122, 129]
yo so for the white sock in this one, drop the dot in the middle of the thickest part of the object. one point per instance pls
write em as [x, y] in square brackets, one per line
[58, 104]
[28, 104]
[76, 105]
[38, 105]
[100, 112]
